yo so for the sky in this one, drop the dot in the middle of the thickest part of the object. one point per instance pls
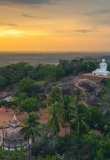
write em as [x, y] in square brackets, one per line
[55, 25]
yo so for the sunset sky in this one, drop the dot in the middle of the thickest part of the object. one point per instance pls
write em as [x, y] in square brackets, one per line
[54, 25]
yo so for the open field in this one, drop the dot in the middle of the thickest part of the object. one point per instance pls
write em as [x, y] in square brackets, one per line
[44, 58]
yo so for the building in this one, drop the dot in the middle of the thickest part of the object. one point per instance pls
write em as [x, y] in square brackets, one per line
[10, 137]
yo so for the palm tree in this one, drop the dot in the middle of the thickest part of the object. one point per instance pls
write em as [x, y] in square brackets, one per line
[29, 130]
[67, 100]
[54, 95]
[78, 96]
[55, 115]
[78, 119]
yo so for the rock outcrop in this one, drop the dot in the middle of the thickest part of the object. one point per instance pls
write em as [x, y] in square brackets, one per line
[90, 89]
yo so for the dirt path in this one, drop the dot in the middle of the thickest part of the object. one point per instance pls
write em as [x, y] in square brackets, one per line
[6, 116]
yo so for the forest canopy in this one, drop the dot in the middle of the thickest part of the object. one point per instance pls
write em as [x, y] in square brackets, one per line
[13, 73]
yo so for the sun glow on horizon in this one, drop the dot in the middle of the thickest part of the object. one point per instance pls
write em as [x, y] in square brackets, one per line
[4, 32]
[10, 33]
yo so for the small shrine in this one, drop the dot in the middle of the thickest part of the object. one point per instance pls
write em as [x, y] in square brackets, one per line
[10, 137]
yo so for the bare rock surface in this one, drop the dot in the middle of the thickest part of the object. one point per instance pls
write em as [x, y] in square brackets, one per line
[90, 89]
[7, 91]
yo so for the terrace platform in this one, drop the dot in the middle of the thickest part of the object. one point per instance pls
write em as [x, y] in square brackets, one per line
[94, 78]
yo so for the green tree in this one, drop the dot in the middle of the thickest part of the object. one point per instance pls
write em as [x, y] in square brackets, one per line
[75, 148]
[92, 145]
[52, 145]
[21, 96]
[94, 118]
[54, 96]
[105, 97]
[105, 145]
[49, 72]
[67, 101]
[15, 72]
[2, 81]
[99, 156]
[77, 121]
[90, 64]
[78, 96]
[59, 73]
[27, 85]
[13, 155]
[30, 105]
[55, 115]
[78, 65]
[30, 129]
[51, 158]
[44, 147]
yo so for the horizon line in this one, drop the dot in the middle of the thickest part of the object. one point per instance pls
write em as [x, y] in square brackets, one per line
[52, 52]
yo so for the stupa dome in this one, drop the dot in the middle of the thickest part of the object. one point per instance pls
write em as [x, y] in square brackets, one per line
[11, 135]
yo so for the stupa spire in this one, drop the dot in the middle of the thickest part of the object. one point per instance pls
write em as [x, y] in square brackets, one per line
[14, 118]
[14, 122]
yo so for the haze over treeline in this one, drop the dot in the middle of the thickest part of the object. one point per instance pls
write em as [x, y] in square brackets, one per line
[43, 57]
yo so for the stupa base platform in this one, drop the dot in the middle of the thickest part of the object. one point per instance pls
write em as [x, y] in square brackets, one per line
[92, 77]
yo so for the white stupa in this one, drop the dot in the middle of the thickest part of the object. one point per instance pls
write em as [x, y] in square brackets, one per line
[10, 137]
[102, 71]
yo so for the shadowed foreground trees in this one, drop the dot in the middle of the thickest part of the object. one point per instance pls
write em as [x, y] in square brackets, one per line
[78, 122]
[13, 155]
[94, 118]
[74, 147]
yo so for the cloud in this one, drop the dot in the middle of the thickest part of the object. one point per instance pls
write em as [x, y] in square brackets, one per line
[83, 30]
[27, 2]
[99, 12]
[30, 16]
[8, 24]
[12, 24]
[69, 32]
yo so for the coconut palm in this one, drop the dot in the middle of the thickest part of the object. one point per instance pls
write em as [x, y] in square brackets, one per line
[54, 95]
[55, 115]
[67, 101]
[29, 130]
[78, 119]
[78, 95]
